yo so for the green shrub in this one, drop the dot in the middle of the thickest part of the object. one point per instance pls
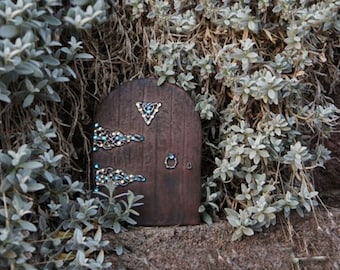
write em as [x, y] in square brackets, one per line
[47, 220]
[258, 70]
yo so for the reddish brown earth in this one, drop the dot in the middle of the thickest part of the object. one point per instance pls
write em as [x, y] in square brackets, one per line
[312, 242]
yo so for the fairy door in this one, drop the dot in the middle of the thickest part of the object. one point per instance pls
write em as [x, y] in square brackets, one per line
[147, 139]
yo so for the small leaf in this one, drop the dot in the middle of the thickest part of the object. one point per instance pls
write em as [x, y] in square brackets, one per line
[207, 218]
[50, 60]
[247, 231]
[28, 101]
[201, 209]
[116, 227]
[35, 187]
[84, 56]
[31, 165]
[119, 250]
[4, 98]
[51, 20]
[100, 257]
[24, 68]
[28, 226]
[98, 234]
[8, 31]
[234, 221]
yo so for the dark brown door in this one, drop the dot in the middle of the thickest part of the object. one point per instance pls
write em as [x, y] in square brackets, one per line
[149, 137]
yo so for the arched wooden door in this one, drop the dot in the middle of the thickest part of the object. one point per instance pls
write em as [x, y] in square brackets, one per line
[148, 140]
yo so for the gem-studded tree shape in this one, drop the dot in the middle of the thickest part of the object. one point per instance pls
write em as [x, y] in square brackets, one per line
[148, 110]
[107, 139]
[119, 177]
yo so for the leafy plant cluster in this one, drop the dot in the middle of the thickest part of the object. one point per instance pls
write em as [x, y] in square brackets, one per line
[258, 71]
[47, 220]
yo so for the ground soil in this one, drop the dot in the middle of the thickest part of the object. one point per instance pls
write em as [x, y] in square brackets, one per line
[312, 242]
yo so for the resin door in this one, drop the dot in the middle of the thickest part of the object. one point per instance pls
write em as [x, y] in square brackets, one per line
[147, 139]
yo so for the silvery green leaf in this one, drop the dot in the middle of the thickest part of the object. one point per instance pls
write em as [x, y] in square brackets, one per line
[31, 165]
[206, 218]
[24, 68]
[4, 96]
[247, 231]
[253, 26]
[201, 209]
[214, 206]
[25, 225]
[234, 220]
[119, 249]
[100, 257]
[32, 187]
[5, 159]
[50, 60]
[84, 56]
[42, 223]
[237, 234]
[8, 31]
[51, 20]
[130, 221]
[116, 227]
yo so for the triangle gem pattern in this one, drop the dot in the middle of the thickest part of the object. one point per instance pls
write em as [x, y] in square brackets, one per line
[148, 110]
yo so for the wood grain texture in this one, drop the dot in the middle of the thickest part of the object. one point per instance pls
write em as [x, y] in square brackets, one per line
[171, 196]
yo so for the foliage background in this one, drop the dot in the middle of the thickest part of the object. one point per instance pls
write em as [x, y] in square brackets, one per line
[259, 72]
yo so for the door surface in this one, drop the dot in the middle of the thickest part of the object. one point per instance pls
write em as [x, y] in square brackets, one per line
[148, 140]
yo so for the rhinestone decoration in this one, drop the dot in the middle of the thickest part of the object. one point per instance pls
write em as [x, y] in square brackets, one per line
[148, 110]
[119, 177]
[107, 139]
